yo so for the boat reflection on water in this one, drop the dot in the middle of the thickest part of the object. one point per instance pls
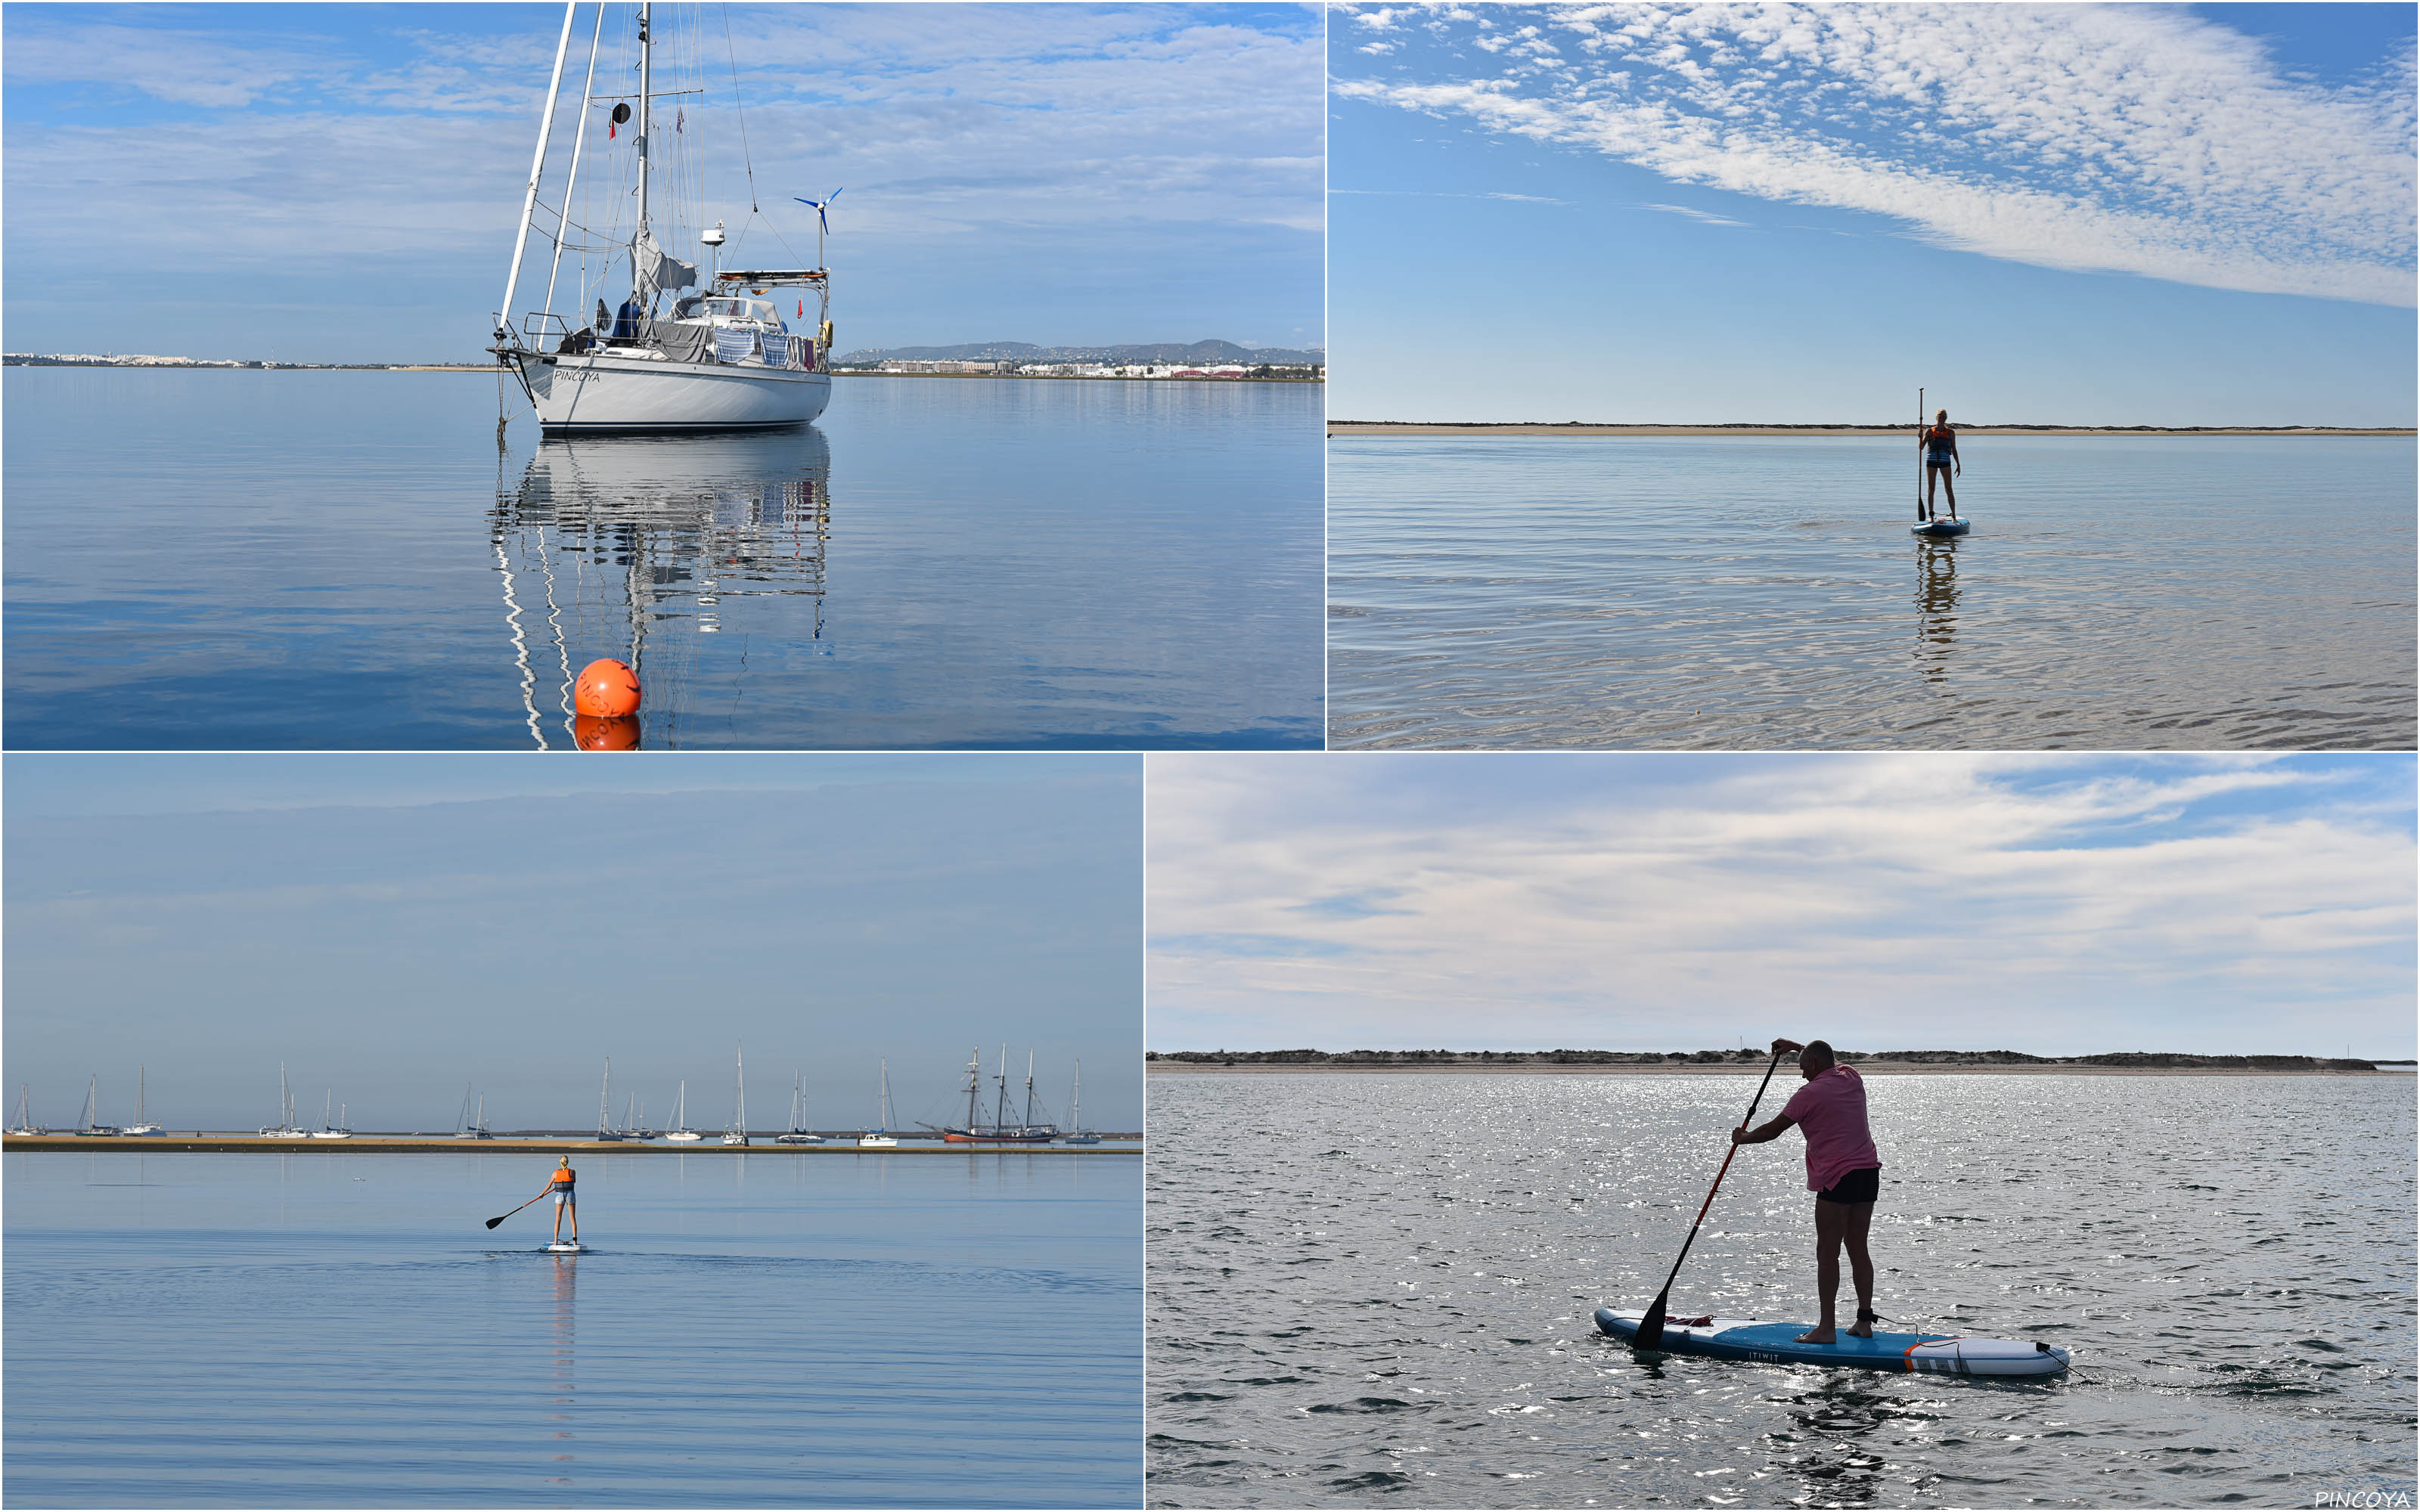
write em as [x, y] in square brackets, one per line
[637, 548]
[1937, 604]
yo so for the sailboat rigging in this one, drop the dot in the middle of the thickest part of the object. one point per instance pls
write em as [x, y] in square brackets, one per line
[468, 1125]
[285, 1129]
[999, 1130]
[142, 1124]
[605, 1131]
[737, 1132]
[722, 358]
[327, 1129]
[878, 1137]
[1076, 1134]
[86, 1123]
[681, 1133]
[797, 1135]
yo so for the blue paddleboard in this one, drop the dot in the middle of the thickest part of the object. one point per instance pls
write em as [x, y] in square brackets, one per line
[1939, 527]
[1744, 1338]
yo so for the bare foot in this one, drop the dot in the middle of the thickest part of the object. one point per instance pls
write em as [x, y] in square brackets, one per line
[1817, 1335]
[1861, 1330]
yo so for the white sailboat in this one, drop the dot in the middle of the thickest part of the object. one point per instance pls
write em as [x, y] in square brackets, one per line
[86, 1123]
[878, 1137]
[1076, 1134]
[737, 1132]
[285, 1129]
[142, 1124]
[797, 1135]
[605, 1130]
[470, 1125]
[681, 1133]
[24, 1116]
[721, 359]
[328, 1129]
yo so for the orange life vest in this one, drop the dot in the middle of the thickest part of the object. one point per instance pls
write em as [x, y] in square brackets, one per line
[562, 1175]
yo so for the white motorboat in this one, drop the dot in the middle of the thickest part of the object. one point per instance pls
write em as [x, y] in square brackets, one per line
[142, 1124]
[721, 359]
[681, 1133]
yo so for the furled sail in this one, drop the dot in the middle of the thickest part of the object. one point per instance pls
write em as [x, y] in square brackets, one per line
[659, 270]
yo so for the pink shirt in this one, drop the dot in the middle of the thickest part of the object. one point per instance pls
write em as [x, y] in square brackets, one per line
[1831, 1112]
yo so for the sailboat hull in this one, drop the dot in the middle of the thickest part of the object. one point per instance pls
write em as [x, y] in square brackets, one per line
[606, 390]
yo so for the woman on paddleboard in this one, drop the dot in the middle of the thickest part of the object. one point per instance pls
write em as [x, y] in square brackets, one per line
[1940, 446]
[564, 1202]
[1843, 1170]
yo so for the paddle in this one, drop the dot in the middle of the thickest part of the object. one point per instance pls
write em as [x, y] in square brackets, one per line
[541, 1197]
[1651, 1328]
[1919, 455]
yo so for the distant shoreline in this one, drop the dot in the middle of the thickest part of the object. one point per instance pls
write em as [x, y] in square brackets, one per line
[1396, 427]
[490, 367]
[232, 1144]
[1865, 1067]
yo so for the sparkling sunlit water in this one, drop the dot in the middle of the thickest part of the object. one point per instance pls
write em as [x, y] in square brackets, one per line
[1764, 593]
[1376, 1291]
[236, 559]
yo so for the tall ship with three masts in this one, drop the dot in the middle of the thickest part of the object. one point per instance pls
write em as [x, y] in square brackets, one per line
[999, 1130]
[719, 358]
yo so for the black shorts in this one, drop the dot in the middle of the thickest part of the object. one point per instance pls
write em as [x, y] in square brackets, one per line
[1857, 1186]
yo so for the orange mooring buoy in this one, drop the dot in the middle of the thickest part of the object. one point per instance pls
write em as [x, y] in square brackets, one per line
[607, 688]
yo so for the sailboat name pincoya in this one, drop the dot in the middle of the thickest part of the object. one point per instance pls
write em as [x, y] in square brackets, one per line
[720, 360]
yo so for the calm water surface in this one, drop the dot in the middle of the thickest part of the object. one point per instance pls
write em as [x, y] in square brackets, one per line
[1763, 593]
[331, 560]
[333, 1329]
[1380, 1295]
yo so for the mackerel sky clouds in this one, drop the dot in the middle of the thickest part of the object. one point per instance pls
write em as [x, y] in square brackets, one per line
[2247, 165]
[342, 183]
[2052, 905]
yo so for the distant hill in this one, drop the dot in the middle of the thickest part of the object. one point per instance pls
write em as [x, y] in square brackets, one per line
[1200, 353]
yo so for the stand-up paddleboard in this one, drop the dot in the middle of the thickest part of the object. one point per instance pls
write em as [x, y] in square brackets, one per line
[1941, 1354]
[566, 1247]
[1939, 527]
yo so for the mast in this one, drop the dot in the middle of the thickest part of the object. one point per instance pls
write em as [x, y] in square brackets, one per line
[579, 147]
[1029, 1089]
[886, 1094]
[1075, 1102]
[1000, 1112]
[538, 165]
[90, 1095]
[646, 86]
[603, 1090]
[138, 1096]
[974, 1084]
[740, 1087]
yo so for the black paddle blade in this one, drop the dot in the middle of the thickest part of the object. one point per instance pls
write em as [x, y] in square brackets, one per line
[1651, 1328]
[493, 1222]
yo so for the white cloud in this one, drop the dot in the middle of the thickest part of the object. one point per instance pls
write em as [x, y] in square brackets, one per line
[2137, 139]
[1667, 893]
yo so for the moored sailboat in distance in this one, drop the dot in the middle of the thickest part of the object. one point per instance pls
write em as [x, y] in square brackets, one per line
[84, 1121]
[25, 1118]
[468, 1125]
[328, 1129]
[737, 1132]
[1076, 1134]
[999, 1130]
[878, 1137]
[681, 1133]
[605, 1131]
[796, 1135]
[285, 1129]
[722, 359]
[142, 1124]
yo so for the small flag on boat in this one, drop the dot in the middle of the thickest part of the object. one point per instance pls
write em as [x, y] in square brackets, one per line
[802, 309]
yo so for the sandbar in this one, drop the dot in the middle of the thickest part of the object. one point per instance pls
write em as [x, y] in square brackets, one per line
[1391, 427]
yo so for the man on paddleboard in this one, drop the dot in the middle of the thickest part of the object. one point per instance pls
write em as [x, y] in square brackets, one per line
[1940, 446]
[564, 1202]
[1843, 1170]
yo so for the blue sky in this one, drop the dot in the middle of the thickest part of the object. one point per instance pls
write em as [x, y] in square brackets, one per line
[2099, 215]
[392, 927]
[2052, 905]
[342, 183]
